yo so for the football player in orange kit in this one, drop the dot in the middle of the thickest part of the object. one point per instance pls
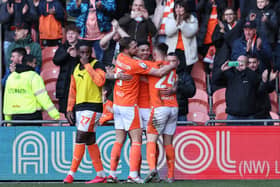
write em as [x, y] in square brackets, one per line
[164, 112]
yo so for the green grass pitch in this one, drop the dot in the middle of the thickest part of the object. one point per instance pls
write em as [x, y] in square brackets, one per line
[185, 183]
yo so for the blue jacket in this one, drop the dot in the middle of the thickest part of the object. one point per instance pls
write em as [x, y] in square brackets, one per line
[264, 53]
[104, 14]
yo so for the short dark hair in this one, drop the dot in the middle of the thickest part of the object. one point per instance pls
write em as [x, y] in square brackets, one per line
[162, 48]
[19, 50]
[83, 43]
[142, 42]
[27, 58]
[124, 43]
[252, 55]
[72, 27]
[173, 54]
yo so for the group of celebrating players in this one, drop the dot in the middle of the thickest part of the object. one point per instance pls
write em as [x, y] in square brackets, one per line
[144, 101]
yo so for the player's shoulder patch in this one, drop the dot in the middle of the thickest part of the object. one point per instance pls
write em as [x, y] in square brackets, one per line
[143, 65]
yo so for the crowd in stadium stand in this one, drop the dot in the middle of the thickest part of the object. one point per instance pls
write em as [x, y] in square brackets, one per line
[209, 37]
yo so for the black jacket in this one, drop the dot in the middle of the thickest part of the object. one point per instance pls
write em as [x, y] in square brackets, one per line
[138, 30]
[241, 91]
[228, 36]
[269, 28]
[185, 89]
[263, 105]
[67, 65]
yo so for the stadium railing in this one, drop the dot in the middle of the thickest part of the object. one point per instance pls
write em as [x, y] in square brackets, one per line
[265, 122]
[60, 122]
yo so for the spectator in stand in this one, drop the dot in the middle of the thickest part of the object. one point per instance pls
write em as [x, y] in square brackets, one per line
[225, 33]
[240, 105]
[51, 20]
[13, 13]
[137, 24]
[23, 39]
[185, 90]
[16, 58]
[109, 43]
[25, 94]
[66, 57]
[252, 44]
[124, 6]
[227, 30]
[266, 20]
[263, 105]
[210, 11]
[181, 29]
[162, 11]
[93, 19]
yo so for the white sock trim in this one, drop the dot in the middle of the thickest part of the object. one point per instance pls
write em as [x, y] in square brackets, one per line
[101, 174]
[72, 173]
[113, 173]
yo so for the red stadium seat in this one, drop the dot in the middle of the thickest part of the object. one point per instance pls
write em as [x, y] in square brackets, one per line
[274, 102]
[221, 113]
[48, 65]
[48, 53]
[199, 75]
[274, 116]
[198, 117]
[200, 97]
[49, 75]
[219, 98]
[51, 89]
[198, 112]
[198, 107]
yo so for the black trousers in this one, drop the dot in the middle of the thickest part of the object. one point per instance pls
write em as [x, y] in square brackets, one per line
[33, 116]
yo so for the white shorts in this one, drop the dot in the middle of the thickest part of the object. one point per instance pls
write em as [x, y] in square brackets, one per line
[87, 120]
[164, 120]
[127, 117]
[145, 117]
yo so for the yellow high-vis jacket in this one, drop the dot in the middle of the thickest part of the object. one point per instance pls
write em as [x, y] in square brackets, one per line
[25, 93]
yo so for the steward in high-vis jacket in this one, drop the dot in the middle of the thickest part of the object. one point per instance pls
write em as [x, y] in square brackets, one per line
[25, 95]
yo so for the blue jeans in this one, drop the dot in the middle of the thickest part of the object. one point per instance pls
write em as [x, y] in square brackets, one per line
[232, 117]
[182, 118]
[97, 49]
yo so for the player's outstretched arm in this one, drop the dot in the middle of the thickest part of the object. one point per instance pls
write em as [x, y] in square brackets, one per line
[165, 69]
